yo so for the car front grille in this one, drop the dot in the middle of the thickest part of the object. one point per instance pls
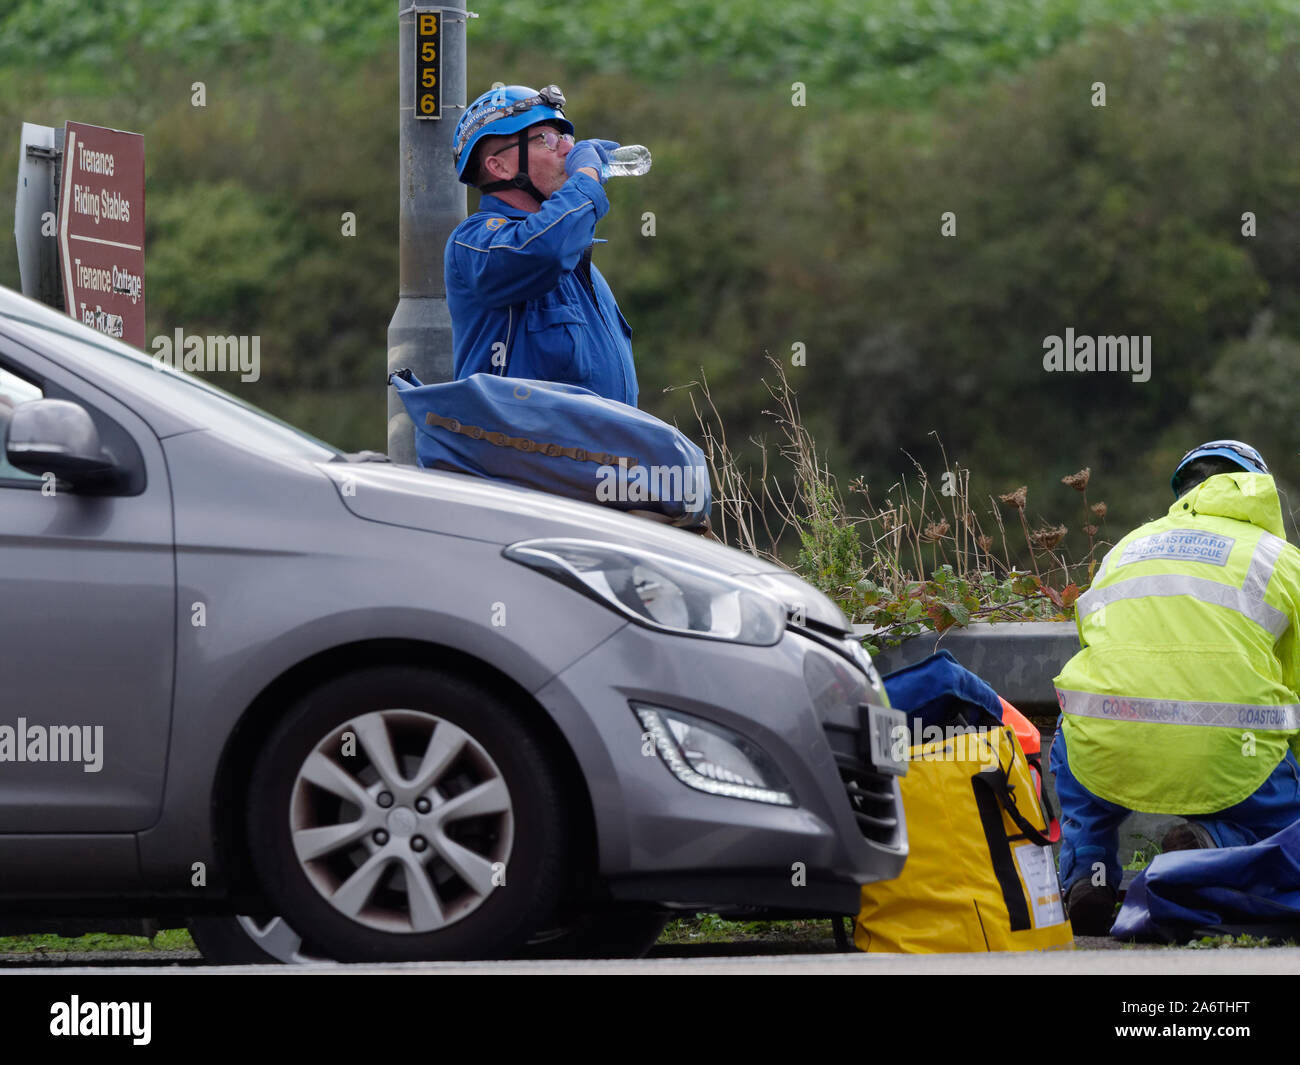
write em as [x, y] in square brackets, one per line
[871, 794]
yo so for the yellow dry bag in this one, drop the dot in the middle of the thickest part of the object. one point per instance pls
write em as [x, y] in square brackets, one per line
[980, 875]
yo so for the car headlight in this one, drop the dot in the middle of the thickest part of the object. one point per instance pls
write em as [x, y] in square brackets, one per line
[713, 759]
[661, 593]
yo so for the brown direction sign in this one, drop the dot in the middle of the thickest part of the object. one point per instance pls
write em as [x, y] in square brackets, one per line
[101, 230]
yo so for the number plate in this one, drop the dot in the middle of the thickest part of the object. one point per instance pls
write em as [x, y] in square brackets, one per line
[882, 738]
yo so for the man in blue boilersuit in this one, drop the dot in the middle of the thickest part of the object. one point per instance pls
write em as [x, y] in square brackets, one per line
[524, 297]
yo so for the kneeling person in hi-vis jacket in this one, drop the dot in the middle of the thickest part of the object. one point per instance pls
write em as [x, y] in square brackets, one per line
[524, 297]
[1183, 699]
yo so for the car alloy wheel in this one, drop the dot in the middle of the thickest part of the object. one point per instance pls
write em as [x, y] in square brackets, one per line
[400, 813]
[409, 831]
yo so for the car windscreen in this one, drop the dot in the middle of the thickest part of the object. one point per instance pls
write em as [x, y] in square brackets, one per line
[189, 396]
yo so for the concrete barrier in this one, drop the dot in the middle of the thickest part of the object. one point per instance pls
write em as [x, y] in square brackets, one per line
[1018, 658]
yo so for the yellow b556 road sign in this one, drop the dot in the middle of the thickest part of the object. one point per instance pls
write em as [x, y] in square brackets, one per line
[428, 64]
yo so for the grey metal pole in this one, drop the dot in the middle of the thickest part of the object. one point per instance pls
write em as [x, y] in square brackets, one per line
[39, 172]
[432, 203]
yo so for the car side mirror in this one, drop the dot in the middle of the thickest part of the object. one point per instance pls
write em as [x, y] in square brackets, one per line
[57, 436]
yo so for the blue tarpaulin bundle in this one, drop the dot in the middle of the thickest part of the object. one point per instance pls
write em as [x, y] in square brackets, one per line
[937, 688]
[1227, 890]
[558, 438]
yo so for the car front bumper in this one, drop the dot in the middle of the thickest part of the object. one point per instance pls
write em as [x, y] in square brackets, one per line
[660, 840]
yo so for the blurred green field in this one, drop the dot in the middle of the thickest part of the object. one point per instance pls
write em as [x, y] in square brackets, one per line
[874, 51]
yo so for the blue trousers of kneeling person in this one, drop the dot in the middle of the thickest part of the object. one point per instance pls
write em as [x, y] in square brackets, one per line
[1090, 825]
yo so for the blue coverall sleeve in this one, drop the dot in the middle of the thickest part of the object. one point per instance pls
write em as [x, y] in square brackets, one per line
[523, 259]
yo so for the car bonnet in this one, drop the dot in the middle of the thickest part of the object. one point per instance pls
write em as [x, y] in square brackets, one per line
[459, 505]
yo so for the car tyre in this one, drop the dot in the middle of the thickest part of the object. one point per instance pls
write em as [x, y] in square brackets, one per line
[248, 940]
[399, 813]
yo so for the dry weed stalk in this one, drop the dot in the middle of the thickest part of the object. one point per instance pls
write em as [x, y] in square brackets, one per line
[915, 526]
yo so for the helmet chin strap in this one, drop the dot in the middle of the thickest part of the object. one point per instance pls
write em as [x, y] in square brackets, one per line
[521, 180]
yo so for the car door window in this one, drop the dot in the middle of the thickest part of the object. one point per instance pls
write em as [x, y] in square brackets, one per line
[14, 392]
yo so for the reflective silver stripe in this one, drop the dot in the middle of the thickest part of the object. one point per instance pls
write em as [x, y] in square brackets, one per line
[1283, 717]
[1267, 552]
[1201, 588]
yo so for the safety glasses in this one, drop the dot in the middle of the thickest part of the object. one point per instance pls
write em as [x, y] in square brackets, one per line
[550, 138]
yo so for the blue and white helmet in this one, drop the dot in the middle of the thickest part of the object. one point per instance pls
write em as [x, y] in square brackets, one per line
[501, 111]
[1234, 451]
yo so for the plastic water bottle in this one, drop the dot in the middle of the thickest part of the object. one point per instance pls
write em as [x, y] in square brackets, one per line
[631, 160]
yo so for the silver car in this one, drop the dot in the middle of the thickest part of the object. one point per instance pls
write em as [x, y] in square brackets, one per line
[390, 713]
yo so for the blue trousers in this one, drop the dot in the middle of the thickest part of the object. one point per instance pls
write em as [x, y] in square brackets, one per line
[1090, 825]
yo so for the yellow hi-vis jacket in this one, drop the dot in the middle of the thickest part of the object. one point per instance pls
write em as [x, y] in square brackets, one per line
[1184, 697]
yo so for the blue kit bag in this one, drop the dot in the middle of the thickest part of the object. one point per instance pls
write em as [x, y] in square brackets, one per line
[939, 691]
[1217, 891]
[558, 438]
